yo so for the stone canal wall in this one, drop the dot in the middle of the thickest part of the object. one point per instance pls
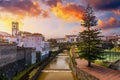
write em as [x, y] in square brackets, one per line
[12, 53]
[79, 72]
[82, 75]
[13, 60]
[11, 69]
[7, 54]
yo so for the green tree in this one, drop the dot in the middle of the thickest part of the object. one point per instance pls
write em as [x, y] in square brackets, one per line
[53, 43]
[90, 39]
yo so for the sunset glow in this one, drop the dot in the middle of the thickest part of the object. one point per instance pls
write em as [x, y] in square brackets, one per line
[50, 16]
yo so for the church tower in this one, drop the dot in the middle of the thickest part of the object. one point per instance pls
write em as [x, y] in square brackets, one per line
[15, 28]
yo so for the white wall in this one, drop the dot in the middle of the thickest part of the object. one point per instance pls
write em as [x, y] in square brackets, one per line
[37, 43]
[33, 57]
[45, 47]
[33, 41]
[71, 39]
[11, 39]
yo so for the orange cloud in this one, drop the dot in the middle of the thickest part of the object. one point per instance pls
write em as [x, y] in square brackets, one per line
[112, 21]
[51, 2]
[6, 22]
[70, 12]
[17, 10]
[21, 7]
[116, 12]
[45, 14]
[100, 23]
[109, 23]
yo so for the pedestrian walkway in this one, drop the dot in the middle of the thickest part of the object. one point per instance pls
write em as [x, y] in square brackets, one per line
[100, 72]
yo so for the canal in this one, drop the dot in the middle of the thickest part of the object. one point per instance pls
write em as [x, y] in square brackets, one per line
[58, 69]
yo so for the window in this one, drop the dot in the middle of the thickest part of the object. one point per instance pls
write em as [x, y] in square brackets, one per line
[25, 44]
[72, 40]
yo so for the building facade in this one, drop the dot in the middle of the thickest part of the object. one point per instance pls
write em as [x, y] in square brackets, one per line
[14, 59]
[71, 38]
[37, 42]
[33, 41]
[60, 40]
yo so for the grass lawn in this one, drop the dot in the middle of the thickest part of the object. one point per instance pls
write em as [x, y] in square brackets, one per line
[33, 72]
[101, 63]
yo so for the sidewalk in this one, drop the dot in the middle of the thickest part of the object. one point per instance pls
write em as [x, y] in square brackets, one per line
[100, 72]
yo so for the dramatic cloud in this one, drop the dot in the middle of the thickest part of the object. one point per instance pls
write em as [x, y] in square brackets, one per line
[21, 7]
[45, 14]
[109, 23]
[51, 2]
[6, 19]
[69, 12]
[105, 5]
[116, 12]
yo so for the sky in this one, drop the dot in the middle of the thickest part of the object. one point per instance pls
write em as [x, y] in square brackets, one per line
[57, 18]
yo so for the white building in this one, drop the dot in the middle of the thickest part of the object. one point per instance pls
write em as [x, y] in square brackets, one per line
[36, 41]
[60, 40]
[71, 38]
[7, 37]
[45, 47]
[11, 39]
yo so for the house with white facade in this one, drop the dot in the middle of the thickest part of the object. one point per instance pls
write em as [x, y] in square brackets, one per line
[45, 48]
[37, 42]
[71, 38]
[68, 38]
[6, 37]
[60, 40]
[29, 40]
[11, 39]
[34, 41]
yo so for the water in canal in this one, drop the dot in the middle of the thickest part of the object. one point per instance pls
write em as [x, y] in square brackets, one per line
[58, 69]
